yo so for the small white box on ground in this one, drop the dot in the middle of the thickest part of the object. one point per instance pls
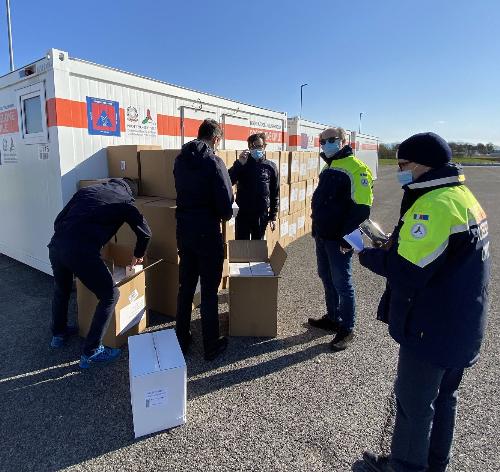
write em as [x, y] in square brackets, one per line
[157, 372]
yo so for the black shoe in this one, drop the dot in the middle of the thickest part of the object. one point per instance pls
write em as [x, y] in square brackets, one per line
[342, 340]
[217, 349]
[323, 323]
[377, 463]
[185, 343]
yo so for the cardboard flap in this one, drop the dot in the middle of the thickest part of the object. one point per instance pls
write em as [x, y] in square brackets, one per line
[247, 251]
[278, 258]
[133, 276]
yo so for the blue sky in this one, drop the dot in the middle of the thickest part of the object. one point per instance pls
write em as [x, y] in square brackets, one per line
[408, 65]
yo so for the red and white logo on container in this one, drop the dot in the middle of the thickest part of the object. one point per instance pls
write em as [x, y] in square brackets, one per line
[8, 120]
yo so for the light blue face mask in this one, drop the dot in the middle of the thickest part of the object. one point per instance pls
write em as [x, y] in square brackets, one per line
[257, 154]
[405, 177]
[331, 149]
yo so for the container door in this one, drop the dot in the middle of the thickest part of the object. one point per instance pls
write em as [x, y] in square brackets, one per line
[236, 131]
[191, 119]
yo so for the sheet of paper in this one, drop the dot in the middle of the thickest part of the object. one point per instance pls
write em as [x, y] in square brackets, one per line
[261, 269]
[355, 239]
[239, 269]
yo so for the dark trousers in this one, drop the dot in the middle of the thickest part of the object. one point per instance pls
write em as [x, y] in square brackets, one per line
[94, 274]
[425, 417]
[201, 256]
[335, 271]
[251, 226]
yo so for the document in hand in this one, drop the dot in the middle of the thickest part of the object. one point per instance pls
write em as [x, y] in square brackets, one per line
[373, 231]
[355, 239]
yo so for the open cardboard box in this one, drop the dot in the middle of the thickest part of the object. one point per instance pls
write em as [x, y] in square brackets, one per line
[130, 315]
[253, 299]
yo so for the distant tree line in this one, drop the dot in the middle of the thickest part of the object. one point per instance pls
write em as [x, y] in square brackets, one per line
[388, 151]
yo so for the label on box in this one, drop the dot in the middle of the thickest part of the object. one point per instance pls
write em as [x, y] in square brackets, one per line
[123, 165]
[292, 230]
[310, 191]
[132, 314]
[284, 229]
[301, 222]
[312, 163]
[284, 204]
[303, 169]
[294, 194]
[156, 398]
[284, 169]
[295, 166]
[302, 195]
[133, 296]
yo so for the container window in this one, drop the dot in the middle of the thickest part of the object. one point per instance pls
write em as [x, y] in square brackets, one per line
[33, 121]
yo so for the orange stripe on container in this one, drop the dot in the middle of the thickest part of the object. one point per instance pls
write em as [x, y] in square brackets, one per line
[293, 139]
[236, 132]
[122, 120]
[169, 125]
[191, 127]
[63, 112]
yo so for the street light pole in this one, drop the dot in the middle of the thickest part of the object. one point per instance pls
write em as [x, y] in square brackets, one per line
[360, 116]
[9, 29]
[301, 87]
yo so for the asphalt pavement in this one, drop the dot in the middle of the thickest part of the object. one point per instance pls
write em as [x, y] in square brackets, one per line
[267, 404]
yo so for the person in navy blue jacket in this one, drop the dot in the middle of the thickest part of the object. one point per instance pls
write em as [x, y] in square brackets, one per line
[437, 266]
[257, 193]
[81, 229]
[204, 200]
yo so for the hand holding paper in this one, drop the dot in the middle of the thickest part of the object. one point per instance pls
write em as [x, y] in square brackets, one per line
[355, 239]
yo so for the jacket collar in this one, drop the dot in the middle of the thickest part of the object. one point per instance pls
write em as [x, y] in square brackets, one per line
[448, 175]
[346, 151]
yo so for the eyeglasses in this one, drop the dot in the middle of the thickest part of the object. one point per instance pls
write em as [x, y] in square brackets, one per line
[256, 146]
[402, 165]
[329, 140]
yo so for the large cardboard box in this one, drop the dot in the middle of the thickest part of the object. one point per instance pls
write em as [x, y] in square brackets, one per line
[294, 169]
[125, 236]
[229, 229]
[157, 382]
[304, 162]
[88, 183]
[294, 197]
[283, 231]
[157, 173]
[228, 156]
[302, 196]
[162, 288]
[160, 215]
[309, 192]
[301, 223]
[292, 228]
[284, 168]
[272, 237]
[253, 298]
[130, 316]
[123, 161]
[274, 156]
[284, 199]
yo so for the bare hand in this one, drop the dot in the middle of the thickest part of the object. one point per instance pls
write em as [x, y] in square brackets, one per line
[136, 260]
[272, 225]
[243, 157]
[345, 250]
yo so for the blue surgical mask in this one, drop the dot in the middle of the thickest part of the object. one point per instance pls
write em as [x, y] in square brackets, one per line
[331, 149]
[257, 154]
[405, 177]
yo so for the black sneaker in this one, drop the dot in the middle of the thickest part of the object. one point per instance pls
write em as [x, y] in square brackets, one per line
[377, 463]
[342, 340]
[217, 349]
[323, 323]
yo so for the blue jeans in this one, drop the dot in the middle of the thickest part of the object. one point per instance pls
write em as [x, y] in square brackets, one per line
[335, 271]
[426, 398]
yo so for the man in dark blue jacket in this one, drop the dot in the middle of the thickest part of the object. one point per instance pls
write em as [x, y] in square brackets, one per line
[204, 200]
[83, 227]
[437, 270]
[340, 203]
[257, 193]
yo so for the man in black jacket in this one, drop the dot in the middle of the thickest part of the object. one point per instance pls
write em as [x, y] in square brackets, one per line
[257, 193]
[341, 202]
[83, 227]
[204, 199]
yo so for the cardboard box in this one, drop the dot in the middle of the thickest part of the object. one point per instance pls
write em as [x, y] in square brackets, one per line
[253, 298]
[130, 316]
[228, 156]
[284, 168]
[157, 173]
[160, 215]
[157, 382]
[274, 156]
[284, 199]
[88, 183]
[304, 162]
[312, 165]
[272, 237]
[294, 197]
[125, 236]
[123, 161]
[162, 288]
[292, 228]
[229, 229]
[308, 220]
[294, 169]
[301, 223]
[283, 231]
[302, 196]
[309, 192]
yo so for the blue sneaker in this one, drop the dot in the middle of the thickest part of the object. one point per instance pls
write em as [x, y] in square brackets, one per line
[60, 340]
[102, 355]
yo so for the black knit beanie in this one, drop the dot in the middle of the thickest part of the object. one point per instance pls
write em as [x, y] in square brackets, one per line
[427, 149]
